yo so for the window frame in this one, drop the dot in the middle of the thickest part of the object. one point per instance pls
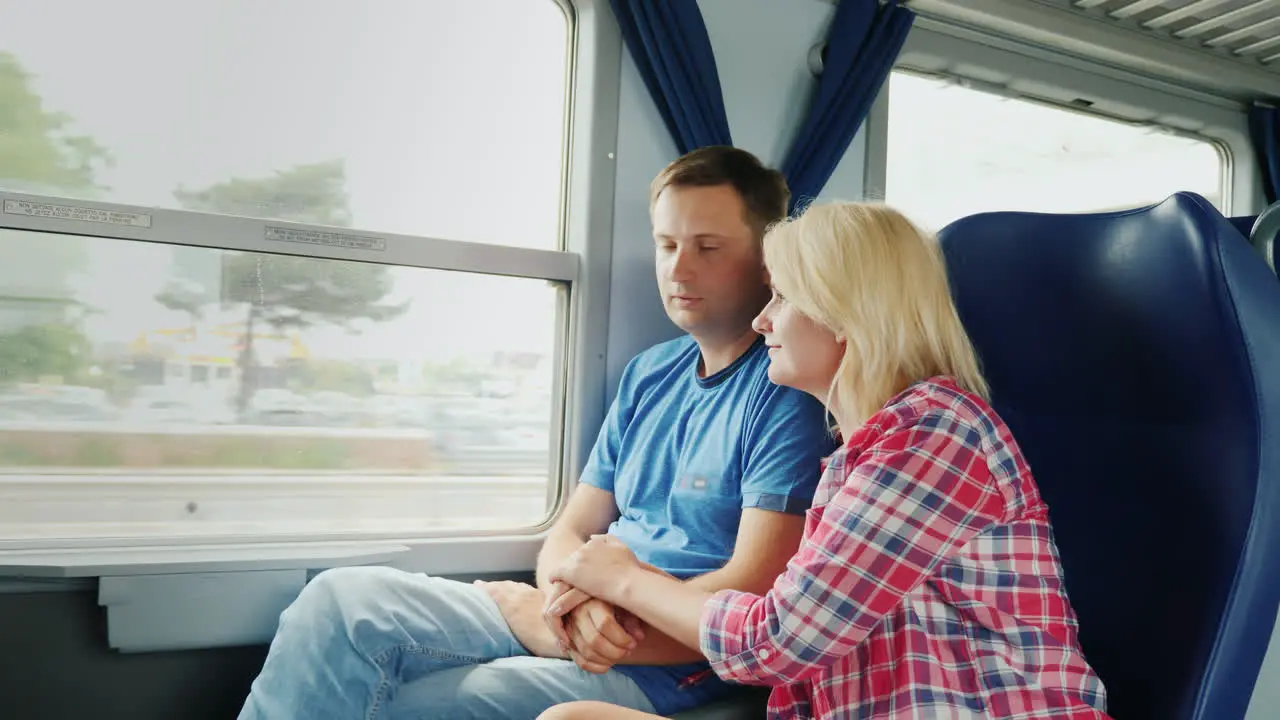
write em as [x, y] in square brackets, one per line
[581, 264]
[183, 228]
[993, 63]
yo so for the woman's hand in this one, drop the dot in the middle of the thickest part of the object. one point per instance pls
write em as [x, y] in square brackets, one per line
[597, 569]
[595, 634]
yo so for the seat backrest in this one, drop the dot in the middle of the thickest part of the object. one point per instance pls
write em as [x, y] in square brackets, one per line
[1243, 223]
[1264, 232]
[1136, 357]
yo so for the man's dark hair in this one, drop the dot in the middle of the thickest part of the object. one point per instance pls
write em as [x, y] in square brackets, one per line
[763, 190]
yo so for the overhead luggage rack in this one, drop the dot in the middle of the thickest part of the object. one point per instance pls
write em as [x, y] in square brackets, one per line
[1245, 30]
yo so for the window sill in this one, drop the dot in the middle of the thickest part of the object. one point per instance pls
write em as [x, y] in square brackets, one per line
[165, 598]
[206, 596]
[114, 562]
[175, 598]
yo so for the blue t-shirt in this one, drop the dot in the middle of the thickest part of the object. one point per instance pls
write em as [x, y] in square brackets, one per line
[683, 456]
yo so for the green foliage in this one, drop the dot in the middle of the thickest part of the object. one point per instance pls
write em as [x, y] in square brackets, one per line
[297, 292]
[40, 154]
[36, 146]
[314, 193]
[37, 351]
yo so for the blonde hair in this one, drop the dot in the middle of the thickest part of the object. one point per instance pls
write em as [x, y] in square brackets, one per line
[877, 281]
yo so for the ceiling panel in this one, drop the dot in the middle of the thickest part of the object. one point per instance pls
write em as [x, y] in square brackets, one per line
[1245, 31]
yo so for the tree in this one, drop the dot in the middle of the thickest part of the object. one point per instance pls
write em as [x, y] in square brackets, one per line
[314, 193]
[37, 351]
[36, 147]
[283, 291]
[40, 154]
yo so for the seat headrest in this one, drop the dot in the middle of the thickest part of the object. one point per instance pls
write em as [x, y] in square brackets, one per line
[1136, 357]
[1264, 233]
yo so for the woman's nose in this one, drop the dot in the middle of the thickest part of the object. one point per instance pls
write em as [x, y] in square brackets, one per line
[761, 323]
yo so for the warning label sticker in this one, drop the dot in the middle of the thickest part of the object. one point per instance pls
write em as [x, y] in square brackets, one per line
[319, 237]
[76, 212]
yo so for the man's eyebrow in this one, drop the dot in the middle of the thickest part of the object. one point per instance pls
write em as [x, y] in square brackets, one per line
[697, 236]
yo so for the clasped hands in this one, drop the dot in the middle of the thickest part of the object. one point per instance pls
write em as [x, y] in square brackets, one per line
[578, 618]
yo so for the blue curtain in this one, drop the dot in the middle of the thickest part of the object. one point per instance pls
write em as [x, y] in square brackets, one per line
[668, 41]
[1264, 127]
[862, 45]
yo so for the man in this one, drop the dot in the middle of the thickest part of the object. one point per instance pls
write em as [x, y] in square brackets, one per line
[703, 467]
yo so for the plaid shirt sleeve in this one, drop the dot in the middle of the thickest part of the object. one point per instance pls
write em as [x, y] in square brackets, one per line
[910, 500]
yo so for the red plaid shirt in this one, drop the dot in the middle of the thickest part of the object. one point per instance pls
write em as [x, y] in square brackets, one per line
[927, 585]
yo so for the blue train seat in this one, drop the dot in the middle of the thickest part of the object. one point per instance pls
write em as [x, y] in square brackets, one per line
[1263, 234]
[1136, 357]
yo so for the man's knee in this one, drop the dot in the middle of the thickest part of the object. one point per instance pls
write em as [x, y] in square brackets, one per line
[335, 597]
[503, 689]
[585, 710]
[511, 689]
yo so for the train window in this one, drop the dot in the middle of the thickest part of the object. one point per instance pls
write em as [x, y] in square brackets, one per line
[954, 151]
[182, 378]
[207, 391]
[395, 116]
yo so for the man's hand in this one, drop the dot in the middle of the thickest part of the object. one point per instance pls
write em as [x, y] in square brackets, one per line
[594, 633]
[601, 635]
[521, 607]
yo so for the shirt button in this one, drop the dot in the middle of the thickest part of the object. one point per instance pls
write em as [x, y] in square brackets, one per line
[764, 654]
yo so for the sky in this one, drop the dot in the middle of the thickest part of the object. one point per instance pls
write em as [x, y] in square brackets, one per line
[955, 151]
[449, 116]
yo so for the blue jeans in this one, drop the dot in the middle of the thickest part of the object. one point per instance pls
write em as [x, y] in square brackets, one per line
[373, 643]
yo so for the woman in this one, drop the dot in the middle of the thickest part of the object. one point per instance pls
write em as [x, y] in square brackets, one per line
[927, 583]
